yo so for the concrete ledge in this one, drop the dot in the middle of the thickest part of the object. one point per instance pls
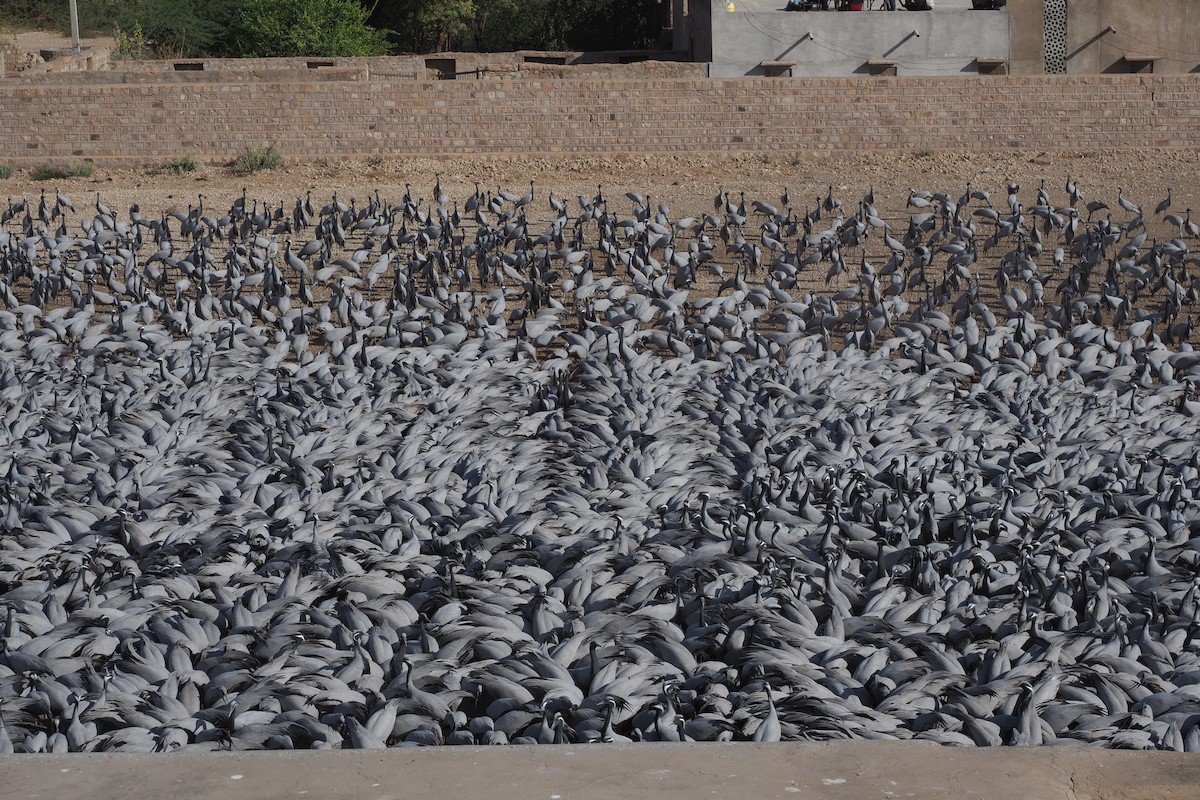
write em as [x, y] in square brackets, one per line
[992, 66]
[850, 770]
[777, 69]
[1139, 62]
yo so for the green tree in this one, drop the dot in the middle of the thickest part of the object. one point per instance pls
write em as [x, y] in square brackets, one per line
[447, 21]
[269, 28]
[422, 26]
[500, 25]
[615, 24]
[361, 27]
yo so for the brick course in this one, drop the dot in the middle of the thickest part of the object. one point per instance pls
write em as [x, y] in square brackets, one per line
[140, 124]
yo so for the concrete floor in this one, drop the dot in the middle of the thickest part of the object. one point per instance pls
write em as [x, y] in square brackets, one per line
[832, 771]
[778, 5]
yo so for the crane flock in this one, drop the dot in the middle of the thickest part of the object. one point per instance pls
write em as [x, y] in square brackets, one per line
[327, 474]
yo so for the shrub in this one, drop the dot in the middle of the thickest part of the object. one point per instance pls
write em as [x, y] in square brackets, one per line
[173, 28]
[30, 14]
[329, 28]
[179, 166]
[131, 46]
[48, 173]
[256, 159]
[6, 172]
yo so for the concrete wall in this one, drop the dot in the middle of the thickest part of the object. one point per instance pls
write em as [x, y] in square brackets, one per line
[135, 76]
[949, 42]
[457, 66]
[145, 124]
[1168, 29]
[205, 68]
[217, 73]
[412, 67]
[1028, 47]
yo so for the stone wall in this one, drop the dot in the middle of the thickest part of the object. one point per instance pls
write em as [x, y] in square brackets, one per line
[65, 63]
[438, 66]
[140, 124]
[9, 54]
[86, 60]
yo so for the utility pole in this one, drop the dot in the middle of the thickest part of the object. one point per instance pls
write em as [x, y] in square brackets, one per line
[74, 28]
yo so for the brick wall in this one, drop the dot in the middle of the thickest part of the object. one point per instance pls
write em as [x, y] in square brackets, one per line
[149, 123]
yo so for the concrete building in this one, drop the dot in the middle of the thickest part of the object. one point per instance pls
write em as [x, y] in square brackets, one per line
[1024, 37]
[1105, 36]
[757, 37]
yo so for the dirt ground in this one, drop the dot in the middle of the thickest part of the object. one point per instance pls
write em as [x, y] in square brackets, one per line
[686, 184]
